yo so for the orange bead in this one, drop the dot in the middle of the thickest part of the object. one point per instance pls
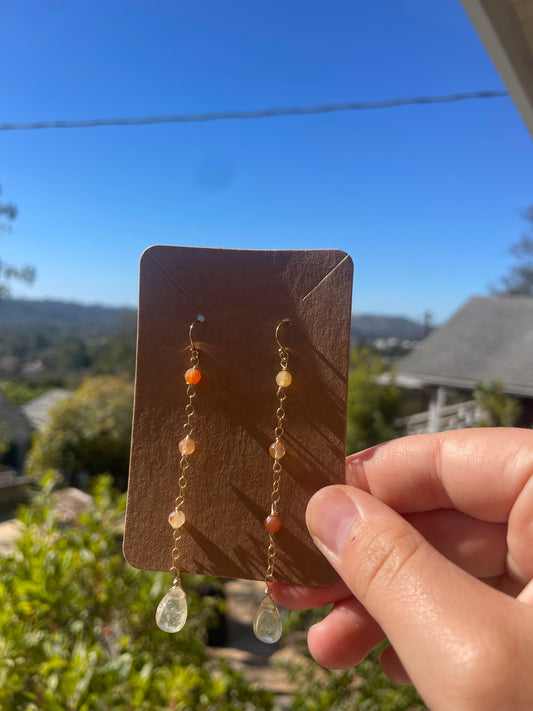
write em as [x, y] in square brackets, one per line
[176, 519]
[193, 376]
[186, 446]
[277, 450]
[272, 523]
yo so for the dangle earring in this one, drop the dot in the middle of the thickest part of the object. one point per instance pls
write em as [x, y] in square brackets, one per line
[267, 620]
[171, 613]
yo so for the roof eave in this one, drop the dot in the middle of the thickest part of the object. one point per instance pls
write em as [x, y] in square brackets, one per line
[463, 383]
[507, 40]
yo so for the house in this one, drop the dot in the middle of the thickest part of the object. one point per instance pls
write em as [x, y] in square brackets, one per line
[16, 427]
[489, 339]
[15, 433]
[37, 410]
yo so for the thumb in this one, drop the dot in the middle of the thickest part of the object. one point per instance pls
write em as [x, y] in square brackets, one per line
[433, 613]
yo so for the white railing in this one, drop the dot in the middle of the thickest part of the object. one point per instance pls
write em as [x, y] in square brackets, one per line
[452, 417]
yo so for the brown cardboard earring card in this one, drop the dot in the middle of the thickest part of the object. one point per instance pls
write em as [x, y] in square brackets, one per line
[243, 296]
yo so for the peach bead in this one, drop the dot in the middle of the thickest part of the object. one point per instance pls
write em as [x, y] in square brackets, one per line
[277, 450]
[283, 379]
[186, 446]
[193, 376]
[176, 519]
[272, 523]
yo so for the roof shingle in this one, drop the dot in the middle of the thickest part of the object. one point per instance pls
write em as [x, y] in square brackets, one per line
[488, 339]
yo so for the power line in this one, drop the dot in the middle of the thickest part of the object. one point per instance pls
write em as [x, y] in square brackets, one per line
[263, 113]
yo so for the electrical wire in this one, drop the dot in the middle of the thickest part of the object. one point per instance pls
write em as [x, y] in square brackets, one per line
[262, 113]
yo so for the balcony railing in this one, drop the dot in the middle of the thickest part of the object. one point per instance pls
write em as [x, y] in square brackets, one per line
[451, 417]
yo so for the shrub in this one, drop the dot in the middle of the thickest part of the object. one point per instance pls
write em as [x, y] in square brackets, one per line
[365, 688]
[88, 432]
[372, 406]
[502, 410]
[77, 624]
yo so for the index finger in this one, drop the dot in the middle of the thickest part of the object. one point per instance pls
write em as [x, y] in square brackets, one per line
[477, 471]
[486, 473]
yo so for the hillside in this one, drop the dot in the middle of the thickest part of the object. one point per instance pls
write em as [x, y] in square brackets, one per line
[57, 343]
[58, 316]
[369, 327]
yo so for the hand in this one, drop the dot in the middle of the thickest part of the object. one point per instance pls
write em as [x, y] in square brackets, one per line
[432, 538]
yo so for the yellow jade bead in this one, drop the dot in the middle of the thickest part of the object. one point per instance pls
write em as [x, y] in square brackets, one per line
[186, 446]
[176, 519]
[277, 450]
[283, 379]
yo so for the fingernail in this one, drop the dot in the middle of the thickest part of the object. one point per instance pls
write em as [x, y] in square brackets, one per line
[514, 571]
[330, 516]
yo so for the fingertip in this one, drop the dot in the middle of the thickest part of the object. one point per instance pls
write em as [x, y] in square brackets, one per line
[292, 597]
[304, 597]
[318, 498]
[354, 473]
[344, 638]
[330, 517]
[393, 668]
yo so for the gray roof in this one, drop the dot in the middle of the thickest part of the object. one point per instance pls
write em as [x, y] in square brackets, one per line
[488, 339]
[37, 410]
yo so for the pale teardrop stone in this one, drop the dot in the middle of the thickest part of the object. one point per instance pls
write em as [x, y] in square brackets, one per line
[283, 379]
[267, 621]
[171, 613]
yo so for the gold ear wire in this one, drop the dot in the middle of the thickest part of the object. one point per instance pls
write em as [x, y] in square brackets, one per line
[280, 324]
[198, 319]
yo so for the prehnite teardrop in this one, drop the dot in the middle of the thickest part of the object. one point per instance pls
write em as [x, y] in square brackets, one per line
[171, 613]
[267, 621]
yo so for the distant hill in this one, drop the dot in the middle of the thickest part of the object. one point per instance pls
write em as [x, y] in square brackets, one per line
[368, 327]
[58, 316]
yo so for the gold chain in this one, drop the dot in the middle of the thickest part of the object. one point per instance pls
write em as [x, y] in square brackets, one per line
[183, 467]
[276, 472]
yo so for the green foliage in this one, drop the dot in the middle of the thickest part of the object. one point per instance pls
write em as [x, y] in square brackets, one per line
[88, 432]
[20, 392]
[364, 689]
[372, 407]
[299, 620]
[69, 341]
[116, 354]
[8, 212]
[77, 626]
[4, 440]
[376, 693]
[502, 410]
[66, 356]
[519, 281]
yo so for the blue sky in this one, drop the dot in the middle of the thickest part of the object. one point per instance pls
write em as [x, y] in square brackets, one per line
[426, 199]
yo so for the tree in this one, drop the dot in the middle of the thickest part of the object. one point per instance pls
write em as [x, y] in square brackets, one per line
[9, 212]
[88, 433]
[372, 406]
[501, 409]
[519, 281]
